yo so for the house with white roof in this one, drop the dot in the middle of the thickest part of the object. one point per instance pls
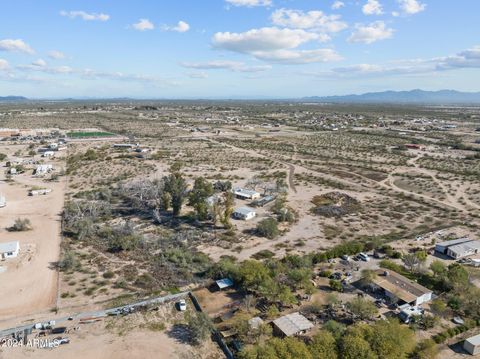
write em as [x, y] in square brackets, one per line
[9, 250]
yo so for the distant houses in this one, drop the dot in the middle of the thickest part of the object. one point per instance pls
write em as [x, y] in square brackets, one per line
[9, 250]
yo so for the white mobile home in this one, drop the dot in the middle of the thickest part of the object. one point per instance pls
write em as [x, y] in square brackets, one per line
[244, 213]
[9, 250]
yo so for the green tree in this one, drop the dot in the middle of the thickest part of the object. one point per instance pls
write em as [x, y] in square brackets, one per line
[253, 275]
[323, 346]
[176, 186]
[391, 340]
[362, 308]
[268, 228]
[202, 189]
[355, 347]
[227, 213]
[438, 268]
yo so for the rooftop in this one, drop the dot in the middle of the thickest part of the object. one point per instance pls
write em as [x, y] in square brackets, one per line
[292, 324]
[453, 242]
[465, 247]
[244, 191]
[475, 340]
[9, 247]
[244, 210]
[400, 286]
[224, 283]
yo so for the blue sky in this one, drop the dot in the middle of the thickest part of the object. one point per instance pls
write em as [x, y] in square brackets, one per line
[236, 48]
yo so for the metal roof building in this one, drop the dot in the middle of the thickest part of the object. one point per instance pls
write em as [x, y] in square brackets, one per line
[463, 249]
[224, 283]
[396, 286]
[442, 247]
[244, 213]
[291, 324]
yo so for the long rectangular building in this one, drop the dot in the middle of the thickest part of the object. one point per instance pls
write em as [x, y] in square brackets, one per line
[398, 287]
[458, 248]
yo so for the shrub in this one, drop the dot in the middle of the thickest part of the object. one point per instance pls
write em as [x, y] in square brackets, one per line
[21, 225]
[268, 228]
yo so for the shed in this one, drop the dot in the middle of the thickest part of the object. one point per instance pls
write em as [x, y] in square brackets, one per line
[472, 345]
[224, 283]
[291, 324]
[9, 249]
[244, 213]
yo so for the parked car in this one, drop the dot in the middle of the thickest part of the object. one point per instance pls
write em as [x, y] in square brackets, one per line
[182, 305]
[364, 257]
[345, 257]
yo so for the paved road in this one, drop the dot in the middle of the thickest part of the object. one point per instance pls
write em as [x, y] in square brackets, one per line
[99, 313]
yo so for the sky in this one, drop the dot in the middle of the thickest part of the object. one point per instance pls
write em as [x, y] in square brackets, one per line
[236, 48]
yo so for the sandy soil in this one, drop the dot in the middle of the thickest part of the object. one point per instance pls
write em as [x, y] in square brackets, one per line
[28, 283]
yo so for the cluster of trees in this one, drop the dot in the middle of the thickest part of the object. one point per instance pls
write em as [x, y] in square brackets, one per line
[171, 192]
[386, 339]
[274, 280]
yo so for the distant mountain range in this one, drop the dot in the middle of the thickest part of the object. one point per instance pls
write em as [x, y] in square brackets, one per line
[403, 97]
[419, 97]
[12, 98]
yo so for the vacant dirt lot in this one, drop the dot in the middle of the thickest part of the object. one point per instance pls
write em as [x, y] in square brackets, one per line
[29, 285]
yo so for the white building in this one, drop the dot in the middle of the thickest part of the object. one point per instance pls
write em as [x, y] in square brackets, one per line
[401, 289]
[472, 345]
[244, 213]
[458, 248]
[48, 154]
[43, 169]
[242, 193]
[3, 202]
[9, 249]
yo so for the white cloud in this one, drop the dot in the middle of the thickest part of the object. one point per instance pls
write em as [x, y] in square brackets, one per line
[198, 75]
[338, 5]
[4, 65]
[249, 3]
[57, 55]
[371, 33]
[463, 60]
[411, 6]
[39, 63]
[85, 15]
[295, 57]
[181, 26]
[235, 66]
[372, 7]
[143, 25]
[274, 44]
[315, 19]
[15, 46]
